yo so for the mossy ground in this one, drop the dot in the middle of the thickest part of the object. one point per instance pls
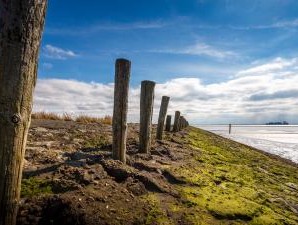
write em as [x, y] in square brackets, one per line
[34, 186]
[230, 183]
[192, 177]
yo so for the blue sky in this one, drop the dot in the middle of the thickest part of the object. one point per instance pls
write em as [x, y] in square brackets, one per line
[211, 41]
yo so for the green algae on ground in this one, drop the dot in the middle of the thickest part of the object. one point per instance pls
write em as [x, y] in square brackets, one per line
[225, 183]
[33, 187]
[236, 184]
[156, 215]
[96, 141]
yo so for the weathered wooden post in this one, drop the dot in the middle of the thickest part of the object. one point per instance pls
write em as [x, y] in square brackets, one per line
[181, 123]
[176, 121]
[21, 26]
[162, 116]
[146, 110]
[230, 128]
[122, 76]
[168, 123]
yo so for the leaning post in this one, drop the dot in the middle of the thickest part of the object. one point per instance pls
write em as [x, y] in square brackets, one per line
[21, 27]
[146, 111]
[168, 123]
[162, 116]
[122, 76]
[176, 121]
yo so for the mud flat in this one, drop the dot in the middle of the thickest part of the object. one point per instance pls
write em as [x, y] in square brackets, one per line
[192, 177]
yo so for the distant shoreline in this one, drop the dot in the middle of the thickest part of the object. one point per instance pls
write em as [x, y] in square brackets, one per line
[273, 156]
[248, 125]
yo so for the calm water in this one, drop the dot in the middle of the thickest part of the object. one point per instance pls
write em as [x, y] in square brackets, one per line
[279, 140]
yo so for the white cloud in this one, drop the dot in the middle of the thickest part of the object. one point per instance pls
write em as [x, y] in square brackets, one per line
[88, 30]
[200, 49]
[276, 25]
[260, 94]
[281, 24]
[276, 65]
[47, 66]
[53, 52]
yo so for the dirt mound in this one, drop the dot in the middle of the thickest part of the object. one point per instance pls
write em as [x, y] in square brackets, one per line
[52, 210]
[189, 177]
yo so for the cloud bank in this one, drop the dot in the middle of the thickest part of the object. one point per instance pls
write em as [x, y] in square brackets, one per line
[200, 49]
[258, 94]
[52, 52]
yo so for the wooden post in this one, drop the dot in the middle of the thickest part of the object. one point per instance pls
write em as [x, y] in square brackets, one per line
[176, 122]
[168, 123]
[21, 26]
[230, 128]
[181, 123]
[162, 116]
[146, 110]
[122, 76]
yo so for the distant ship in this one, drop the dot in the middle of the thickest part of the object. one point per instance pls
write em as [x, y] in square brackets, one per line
[278, 123]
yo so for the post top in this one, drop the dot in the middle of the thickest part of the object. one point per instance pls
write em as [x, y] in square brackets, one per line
[122, 60]
[148, 82]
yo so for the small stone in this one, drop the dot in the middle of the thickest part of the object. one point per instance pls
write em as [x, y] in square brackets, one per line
[93, 171]
[159, 171]
[113, 210]
[95, 182]
[292, 185]
[40, 129]
[91, 199]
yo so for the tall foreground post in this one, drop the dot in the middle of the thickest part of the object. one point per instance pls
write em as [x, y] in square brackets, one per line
[176, 121]
[122, 75]
[168, 123]
[146, 110]
[21, 26]
[162, 116]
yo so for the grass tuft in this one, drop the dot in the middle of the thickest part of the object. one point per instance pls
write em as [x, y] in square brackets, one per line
[46, 116]
[34, 187]
[89, 119]
[68, 117]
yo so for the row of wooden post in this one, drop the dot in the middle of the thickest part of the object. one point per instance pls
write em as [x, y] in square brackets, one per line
[122, 77]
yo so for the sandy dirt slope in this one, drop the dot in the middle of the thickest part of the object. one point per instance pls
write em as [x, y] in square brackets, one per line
[192, 177]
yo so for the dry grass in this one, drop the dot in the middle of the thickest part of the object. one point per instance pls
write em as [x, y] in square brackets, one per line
[46, 116]
[68, 117]
[88, 119]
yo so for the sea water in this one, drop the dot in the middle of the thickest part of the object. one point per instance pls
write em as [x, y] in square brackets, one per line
[281, 140]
